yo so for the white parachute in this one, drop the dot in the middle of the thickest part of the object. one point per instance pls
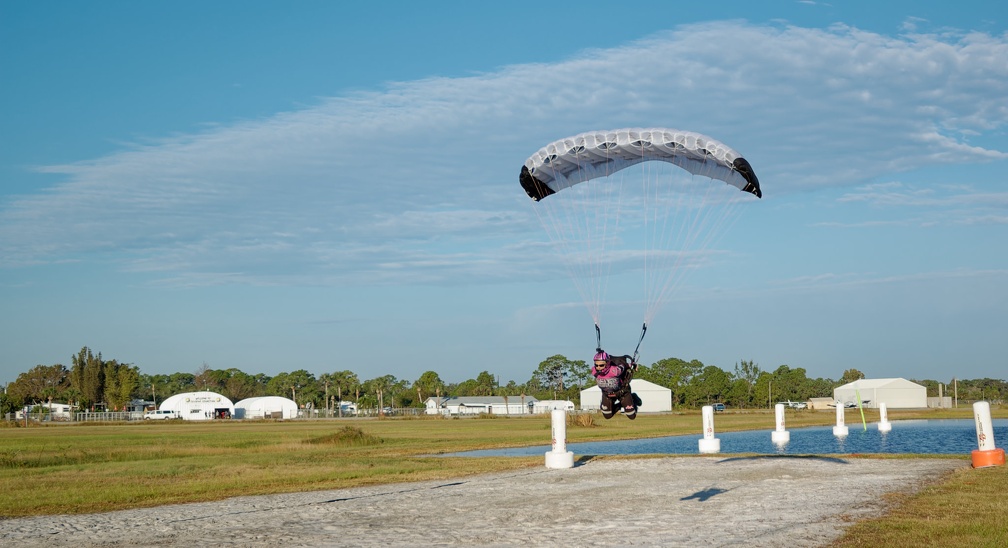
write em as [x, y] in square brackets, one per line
[635, 200]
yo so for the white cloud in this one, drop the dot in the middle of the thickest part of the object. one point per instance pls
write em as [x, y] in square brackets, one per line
[419, 181]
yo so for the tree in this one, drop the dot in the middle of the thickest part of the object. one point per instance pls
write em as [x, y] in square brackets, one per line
[88, 377]
[428, 384]
[851, 375]
[121, 381]
[710, 385]
[485, 385]
[747, 372]
[40, 384]
[6, 404]
[556, 373]
[674, 374]
[381, 387]
[239, 385]
[343, 383]
[791, 384]
[209, 379]
[304, 387]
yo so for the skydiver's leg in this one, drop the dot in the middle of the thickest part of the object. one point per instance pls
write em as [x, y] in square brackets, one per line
[608, 406]
[629, 406]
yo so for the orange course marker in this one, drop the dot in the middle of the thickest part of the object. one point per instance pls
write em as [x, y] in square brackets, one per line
[991, 457]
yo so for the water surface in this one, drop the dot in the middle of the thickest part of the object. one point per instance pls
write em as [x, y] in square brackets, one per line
[948, 437]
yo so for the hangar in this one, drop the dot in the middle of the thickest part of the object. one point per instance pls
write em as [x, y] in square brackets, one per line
[654, 397]
[266, 407]
[896, 393]
[198, 406]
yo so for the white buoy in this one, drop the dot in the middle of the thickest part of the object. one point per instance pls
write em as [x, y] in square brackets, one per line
[883, 425]
[780, 436]
[559, 457]
[840, 430]
[709, 444]
[987, 453]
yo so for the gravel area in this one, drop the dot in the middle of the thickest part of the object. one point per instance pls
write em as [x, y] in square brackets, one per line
[666, 501]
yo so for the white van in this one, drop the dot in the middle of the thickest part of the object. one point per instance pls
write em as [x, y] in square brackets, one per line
[160, 414]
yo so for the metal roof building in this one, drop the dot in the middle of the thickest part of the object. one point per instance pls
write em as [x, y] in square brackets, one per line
[896, 393]
[654, 397]
[266, 407]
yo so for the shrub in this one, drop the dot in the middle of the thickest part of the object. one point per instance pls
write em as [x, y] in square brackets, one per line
[348, 436]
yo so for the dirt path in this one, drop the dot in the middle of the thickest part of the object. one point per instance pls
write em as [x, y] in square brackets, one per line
[675, 501]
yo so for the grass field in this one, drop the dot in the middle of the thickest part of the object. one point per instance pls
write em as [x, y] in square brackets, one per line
[80, 468]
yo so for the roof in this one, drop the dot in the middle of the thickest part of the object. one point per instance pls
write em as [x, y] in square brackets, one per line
[265, 400]
[197, 397]
[488, 400]
[867, 384]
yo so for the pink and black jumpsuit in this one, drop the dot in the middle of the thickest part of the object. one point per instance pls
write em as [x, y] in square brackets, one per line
[615, 391]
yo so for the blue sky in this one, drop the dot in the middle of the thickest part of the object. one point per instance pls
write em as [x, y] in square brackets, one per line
[325, 186]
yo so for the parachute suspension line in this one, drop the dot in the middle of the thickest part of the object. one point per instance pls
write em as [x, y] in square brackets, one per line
[639, 341]
[701, 215]
[598, 338]
[577, 223]
[566, 234]
[648, 238]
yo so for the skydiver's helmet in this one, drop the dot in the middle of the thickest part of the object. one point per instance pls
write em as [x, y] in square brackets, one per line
[601, 361]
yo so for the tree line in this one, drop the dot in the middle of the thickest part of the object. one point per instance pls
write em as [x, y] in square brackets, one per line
[91, 382]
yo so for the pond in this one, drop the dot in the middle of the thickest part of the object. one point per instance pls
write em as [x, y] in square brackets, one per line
[907, 436]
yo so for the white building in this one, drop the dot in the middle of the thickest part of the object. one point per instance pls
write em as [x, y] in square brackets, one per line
[346, 409]
[54, 410]
[895, 393]
[198, 406]
[545, 406]
[435, 406]
[475, 405]
[654, 398]
[266, 407]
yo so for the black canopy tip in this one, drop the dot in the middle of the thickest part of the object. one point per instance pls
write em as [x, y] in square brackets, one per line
[746, 171]
[536, 189]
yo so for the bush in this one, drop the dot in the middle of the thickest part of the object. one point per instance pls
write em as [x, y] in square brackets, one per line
[586, 420]
[348, 436]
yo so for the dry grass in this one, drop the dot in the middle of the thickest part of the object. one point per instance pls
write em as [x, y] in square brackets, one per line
[967, 509]
[81, 468]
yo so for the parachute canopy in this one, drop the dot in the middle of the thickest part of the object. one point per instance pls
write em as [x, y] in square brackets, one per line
[567, 162]
[636, 205]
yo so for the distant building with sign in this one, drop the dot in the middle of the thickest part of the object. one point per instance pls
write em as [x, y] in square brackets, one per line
[199, 406]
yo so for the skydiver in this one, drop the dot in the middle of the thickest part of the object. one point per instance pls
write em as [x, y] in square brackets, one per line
[612, 375]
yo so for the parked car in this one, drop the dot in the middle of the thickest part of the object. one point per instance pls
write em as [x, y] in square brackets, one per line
[718, 407]
[160, 414]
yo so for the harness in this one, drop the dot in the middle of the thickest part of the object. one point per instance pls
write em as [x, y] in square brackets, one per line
[623, 379]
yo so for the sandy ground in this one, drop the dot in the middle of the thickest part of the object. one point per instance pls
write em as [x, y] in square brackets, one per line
[673, 501]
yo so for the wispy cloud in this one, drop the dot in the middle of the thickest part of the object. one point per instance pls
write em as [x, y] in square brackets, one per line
[419, 181]
[860, 279]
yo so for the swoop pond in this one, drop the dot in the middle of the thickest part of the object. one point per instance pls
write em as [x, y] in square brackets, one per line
[947, 437]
